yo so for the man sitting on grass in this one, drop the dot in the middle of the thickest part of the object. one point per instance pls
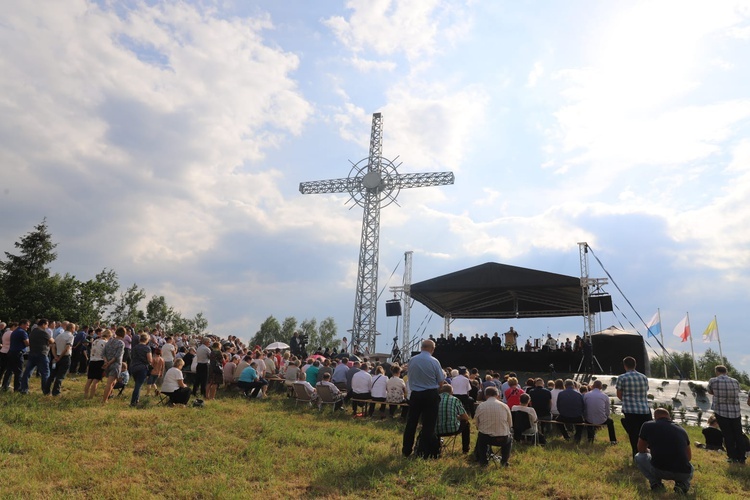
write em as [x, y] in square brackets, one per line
[494, 422]
[664, 453]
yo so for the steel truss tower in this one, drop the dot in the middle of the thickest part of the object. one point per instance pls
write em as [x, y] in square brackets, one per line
[373, 183]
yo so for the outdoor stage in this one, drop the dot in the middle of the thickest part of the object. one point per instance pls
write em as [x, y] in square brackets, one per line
[505, 361]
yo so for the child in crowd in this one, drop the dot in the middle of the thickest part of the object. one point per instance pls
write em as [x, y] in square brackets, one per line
[122, 380]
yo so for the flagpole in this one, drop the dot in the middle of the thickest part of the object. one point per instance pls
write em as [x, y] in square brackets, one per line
[718, 337]
[664, 349]
[695, 367]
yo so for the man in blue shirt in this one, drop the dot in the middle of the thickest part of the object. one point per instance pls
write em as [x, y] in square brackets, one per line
[425, 377]
[249, 380]
[570, 405]
[19, 339]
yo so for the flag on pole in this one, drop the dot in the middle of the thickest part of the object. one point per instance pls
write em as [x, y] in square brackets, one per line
[712, 332]
[682, 329]
[654, 325]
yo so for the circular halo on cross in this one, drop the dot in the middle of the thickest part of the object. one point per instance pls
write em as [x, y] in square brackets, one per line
[380, 182]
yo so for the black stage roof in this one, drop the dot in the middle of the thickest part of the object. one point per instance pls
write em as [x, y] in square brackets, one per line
[493, 290]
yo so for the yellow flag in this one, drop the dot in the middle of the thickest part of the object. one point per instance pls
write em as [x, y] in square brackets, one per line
[712, 332]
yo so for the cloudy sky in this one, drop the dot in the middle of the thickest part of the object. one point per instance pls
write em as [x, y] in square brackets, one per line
[167, 140]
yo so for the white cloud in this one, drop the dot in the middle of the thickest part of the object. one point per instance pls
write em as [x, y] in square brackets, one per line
[536, 73]
[168, 106]
[399, 26]
[367, 65]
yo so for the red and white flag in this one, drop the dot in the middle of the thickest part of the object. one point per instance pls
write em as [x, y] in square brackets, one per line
[682, 329]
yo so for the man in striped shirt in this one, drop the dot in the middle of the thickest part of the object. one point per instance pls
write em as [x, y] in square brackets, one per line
[452, 417]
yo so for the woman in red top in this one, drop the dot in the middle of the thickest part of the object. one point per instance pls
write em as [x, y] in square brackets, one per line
[513, 393]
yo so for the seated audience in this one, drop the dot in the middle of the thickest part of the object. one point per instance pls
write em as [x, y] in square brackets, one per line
[250, 381]
[174, 384]
[513, 393]
[396, 392]
[524, 406]
[452, 417]
[378, 390]
[570, 406]
[302, 381]
[596, 411]
[338, 396]
[494, 423]
[361, 386]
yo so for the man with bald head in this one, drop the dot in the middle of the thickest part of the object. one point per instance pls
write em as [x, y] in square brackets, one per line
[425, 378]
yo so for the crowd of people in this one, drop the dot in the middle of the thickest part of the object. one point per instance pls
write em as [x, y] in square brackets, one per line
[445, 400]
[508, 341]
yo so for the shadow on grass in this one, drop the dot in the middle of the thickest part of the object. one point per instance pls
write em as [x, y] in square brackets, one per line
[364, 476]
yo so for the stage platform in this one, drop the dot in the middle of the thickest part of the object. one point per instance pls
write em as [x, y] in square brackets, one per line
[505, 361]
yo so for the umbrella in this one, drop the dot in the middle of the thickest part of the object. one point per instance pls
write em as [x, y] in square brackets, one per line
[318, 356]
[350, 357]
[276, 345]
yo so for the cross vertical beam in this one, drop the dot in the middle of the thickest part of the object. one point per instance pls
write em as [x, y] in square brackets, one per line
[372, 185]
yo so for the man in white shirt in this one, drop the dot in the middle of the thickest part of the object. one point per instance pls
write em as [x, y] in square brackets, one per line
[201, 369]
[461, 387]
[361, 384]
[61, 351]
[494, 422]
[596, 411]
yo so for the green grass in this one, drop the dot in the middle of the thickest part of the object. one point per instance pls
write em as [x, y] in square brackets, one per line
[69, 447]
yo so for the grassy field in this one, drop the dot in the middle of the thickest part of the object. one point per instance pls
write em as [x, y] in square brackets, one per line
[72, 448]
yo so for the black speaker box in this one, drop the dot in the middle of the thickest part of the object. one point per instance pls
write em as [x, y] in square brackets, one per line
[393, 308]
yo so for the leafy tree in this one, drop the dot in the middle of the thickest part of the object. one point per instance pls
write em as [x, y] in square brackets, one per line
[287, 328]
[270, 331]
[327, 333]
[705, 364]
[194, 326]
[94, 297]
[158, 312]
[200, 323]
[309, 327]
[126, 309]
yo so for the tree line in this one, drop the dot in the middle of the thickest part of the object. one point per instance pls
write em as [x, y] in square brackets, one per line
[323, 334]
[705, 365]
[29, 290]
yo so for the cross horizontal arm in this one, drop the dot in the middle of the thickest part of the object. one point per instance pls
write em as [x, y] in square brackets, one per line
[330, 186]
[405, 181]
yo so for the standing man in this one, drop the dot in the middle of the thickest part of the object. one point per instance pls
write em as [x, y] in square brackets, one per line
[664, 453]
[726, 407]
[632, 389]
[201, 368]
[511, 342]
[19, 340]
[461, 387]
[40, 339]
[596, 411]
[425, 378]
[62, 350]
